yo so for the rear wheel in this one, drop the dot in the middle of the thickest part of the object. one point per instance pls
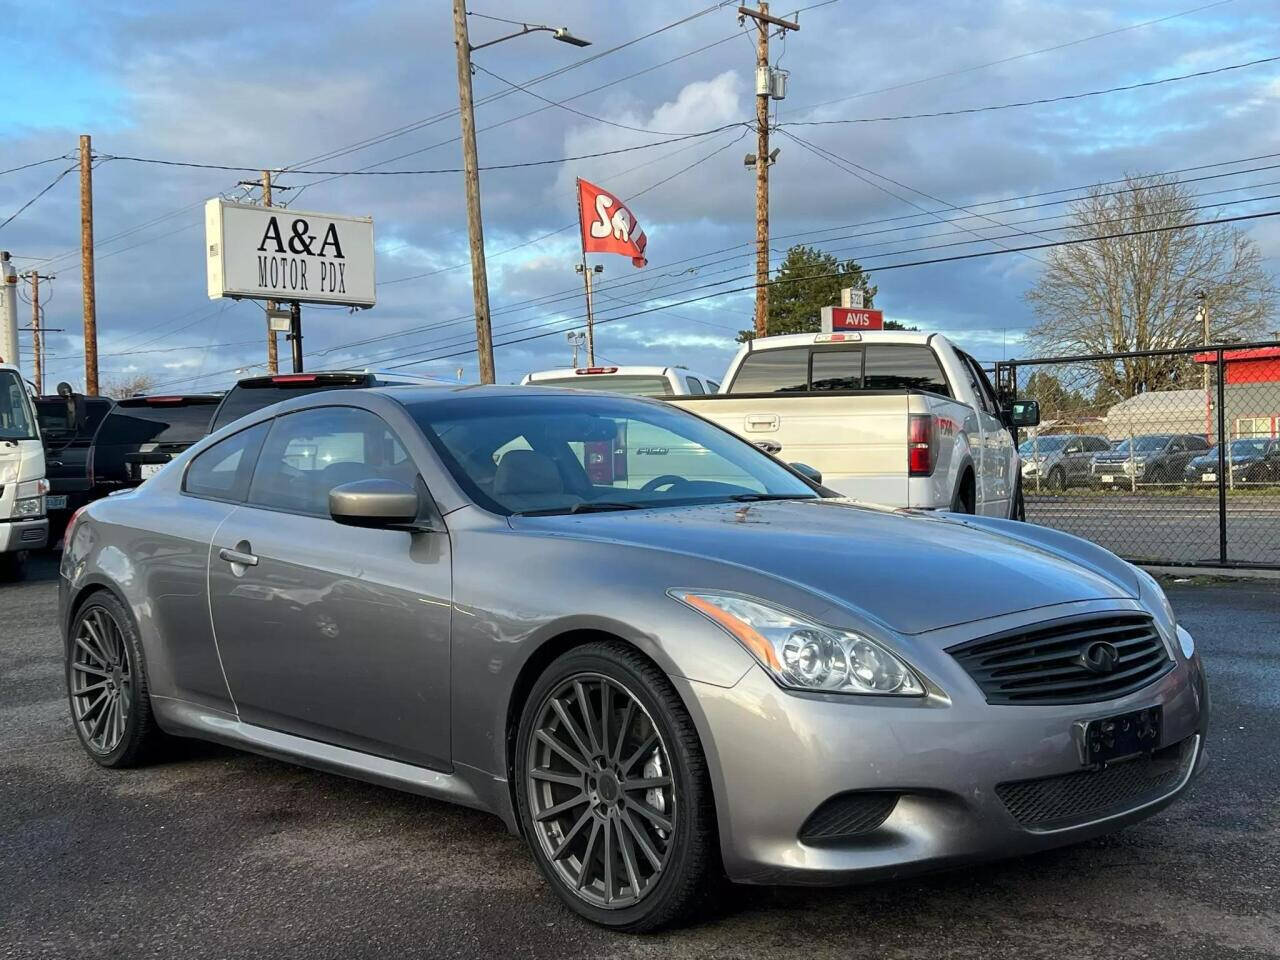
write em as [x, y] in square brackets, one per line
[107, 685]
[964, 500]
[612, 792]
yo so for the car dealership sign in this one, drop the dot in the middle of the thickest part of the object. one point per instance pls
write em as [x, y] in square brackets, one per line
[272, 253]
[837, 319]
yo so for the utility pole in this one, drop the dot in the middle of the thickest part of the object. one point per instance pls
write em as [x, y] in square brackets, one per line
[471, 168]
[273, 354]
[37, 343]
[586, 272]
[471, 177]
[764, 89]
[86, 268]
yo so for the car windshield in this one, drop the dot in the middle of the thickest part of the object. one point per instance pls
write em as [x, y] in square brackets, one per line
[16, 421]
[542, 454]
[1143, 444]
[1042, 445]
[632, 385]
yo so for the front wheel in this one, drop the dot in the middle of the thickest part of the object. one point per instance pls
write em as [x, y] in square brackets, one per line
[1057, 479]
[612, 790]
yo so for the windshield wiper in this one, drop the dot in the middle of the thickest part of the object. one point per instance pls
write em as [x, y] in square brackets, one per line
[602, 506]
[587, 506]
[755, 497]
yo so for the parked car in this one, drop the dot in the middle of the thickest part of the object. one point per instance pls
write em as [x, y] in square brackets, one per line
[1061, 460]
[23, 525]
[138, 436]
[725, 669]
[1248, 462]
[897, 418]
[1267, 469]
[674, 381]
[68, 425]
[1151, 458]
[253, 393]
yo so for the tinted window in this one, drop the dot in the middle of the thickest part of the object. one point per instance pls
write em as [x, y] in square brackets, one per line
[552, 453]
[222, 472]
[694, 386]
[837, 370]
[783, 370]
[713, 386]
[309, 453]
[632, 385]
[140, 421]
[245, 399]
[1097, 443]
[55, 418]
[904, 367]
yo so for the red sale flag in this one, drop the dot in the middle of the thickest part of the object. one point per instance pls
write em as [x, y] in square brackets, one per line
[607, 225]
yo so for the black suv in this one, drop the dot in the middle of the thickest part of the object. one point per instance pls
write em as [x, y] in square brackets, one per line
[140, 435]
[253, 393]
[68, 425]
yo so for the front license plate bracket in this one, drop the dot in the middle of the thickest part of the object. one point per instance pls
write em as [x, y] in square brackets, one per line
[1125, 735]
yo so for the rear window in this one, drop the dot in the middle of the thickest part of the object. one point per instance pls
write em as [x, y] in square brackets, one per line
[630, 384]
[246, 398]
[138, 421]
[55, 418]
[864, 367]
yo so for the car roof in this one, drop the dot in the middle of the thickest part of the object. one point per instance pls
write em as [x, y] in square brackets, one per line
[616, 371]
[870, 336]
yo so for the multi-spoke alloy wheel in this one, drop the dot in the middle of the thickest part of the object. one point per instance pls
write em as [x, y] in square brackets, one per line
[600, 789]
[101, 684]
[613, 791]
[107, 685]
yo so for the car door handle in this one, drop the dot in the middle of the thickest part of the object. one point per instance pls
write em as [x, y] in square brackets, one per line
[235, 556]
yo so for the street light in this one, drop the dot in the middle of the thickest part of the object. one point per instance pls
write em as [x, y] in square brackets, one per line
[471, 174]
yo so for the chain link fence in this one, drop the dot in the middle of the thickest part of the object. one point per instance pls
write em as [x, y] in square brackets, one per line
[1166, 457]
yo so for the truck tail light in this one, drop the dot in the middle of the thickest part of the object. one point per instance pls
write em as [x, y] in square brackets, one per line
[922, 445]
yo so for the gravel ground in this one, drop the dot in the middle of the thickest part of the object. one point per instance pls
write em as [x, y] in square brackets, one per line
[221, 854]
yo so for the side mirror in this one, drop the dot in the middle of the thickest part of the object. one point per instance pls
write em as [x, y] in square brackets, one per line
[374, 503]
[812, 473]
[1024, 413]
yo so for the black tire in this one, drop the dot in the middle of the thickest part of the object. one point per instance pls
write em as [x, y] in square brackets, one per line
[964, 499]
[116, 661]
[13, 567]
[1057, 479]
[1019, 511]
[690, 859]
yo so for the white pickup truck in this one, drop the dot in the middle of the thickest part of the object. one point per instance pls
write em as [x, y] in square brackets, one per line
[896, 418]
[23, 525]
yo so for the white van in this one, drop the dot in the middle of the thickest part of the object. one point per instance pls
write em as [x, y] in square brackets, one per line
[23, 525]
[637, 381]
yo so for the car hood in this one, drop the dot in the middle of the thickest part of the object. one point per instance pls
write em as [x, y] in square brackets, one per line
[910, 571]
[1121, 457]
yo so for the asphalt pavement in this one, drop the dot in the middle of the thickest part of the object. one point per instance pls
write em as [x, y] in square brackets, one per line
[215, 853]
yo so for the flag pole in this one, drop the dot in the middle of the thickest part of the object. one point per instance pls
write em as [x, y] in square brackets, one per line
[586, 280]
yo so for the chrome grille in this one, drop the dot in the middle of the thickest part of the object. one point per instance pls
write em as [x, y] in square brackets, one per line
[1046, 663]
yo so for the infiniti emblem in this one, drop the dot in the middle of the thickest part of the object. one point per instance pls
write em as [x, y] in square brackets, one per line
[1098, 657]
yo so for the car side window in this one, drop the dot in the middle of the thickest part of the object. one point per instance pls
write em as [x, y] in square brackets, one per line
[694, 386]
[310, 452]
[1176, 445]
[222, 472]
[978, 382]
[713, 387]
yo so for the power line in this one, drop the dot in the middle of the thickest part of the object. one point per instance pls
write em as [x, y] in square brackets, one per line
[37, 163]
[1018, 56]
[895, 266]
[1039, 101]
[13, 216]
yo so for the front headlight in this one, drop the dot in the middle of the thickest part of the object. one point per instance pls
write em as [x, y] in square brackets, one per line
[805, 655]
[1153, 597]
[30, 507]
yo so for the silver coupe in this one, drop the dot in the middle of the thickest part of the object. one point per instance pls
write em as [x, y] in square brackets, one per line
[657, 653]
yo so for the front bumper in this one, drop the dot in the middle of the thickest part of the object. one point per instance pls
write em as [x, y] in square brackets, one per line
[775, 757]
[30, 534]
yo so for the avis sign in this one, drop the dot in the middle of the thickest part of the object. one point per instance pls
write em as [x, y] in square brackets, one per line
[838, 319]
[270, 253]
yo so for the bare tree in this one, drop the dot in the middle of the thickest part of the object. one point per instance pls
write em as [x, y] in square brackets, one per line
[127, 385]
[1145, 292]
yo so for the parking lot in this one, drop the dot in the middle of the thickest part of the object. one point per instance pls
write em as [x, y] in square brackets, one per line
[221, 854]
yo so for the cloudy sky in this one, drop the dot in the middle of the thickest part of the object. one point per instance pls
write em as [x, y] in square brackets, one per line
[342, 86]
